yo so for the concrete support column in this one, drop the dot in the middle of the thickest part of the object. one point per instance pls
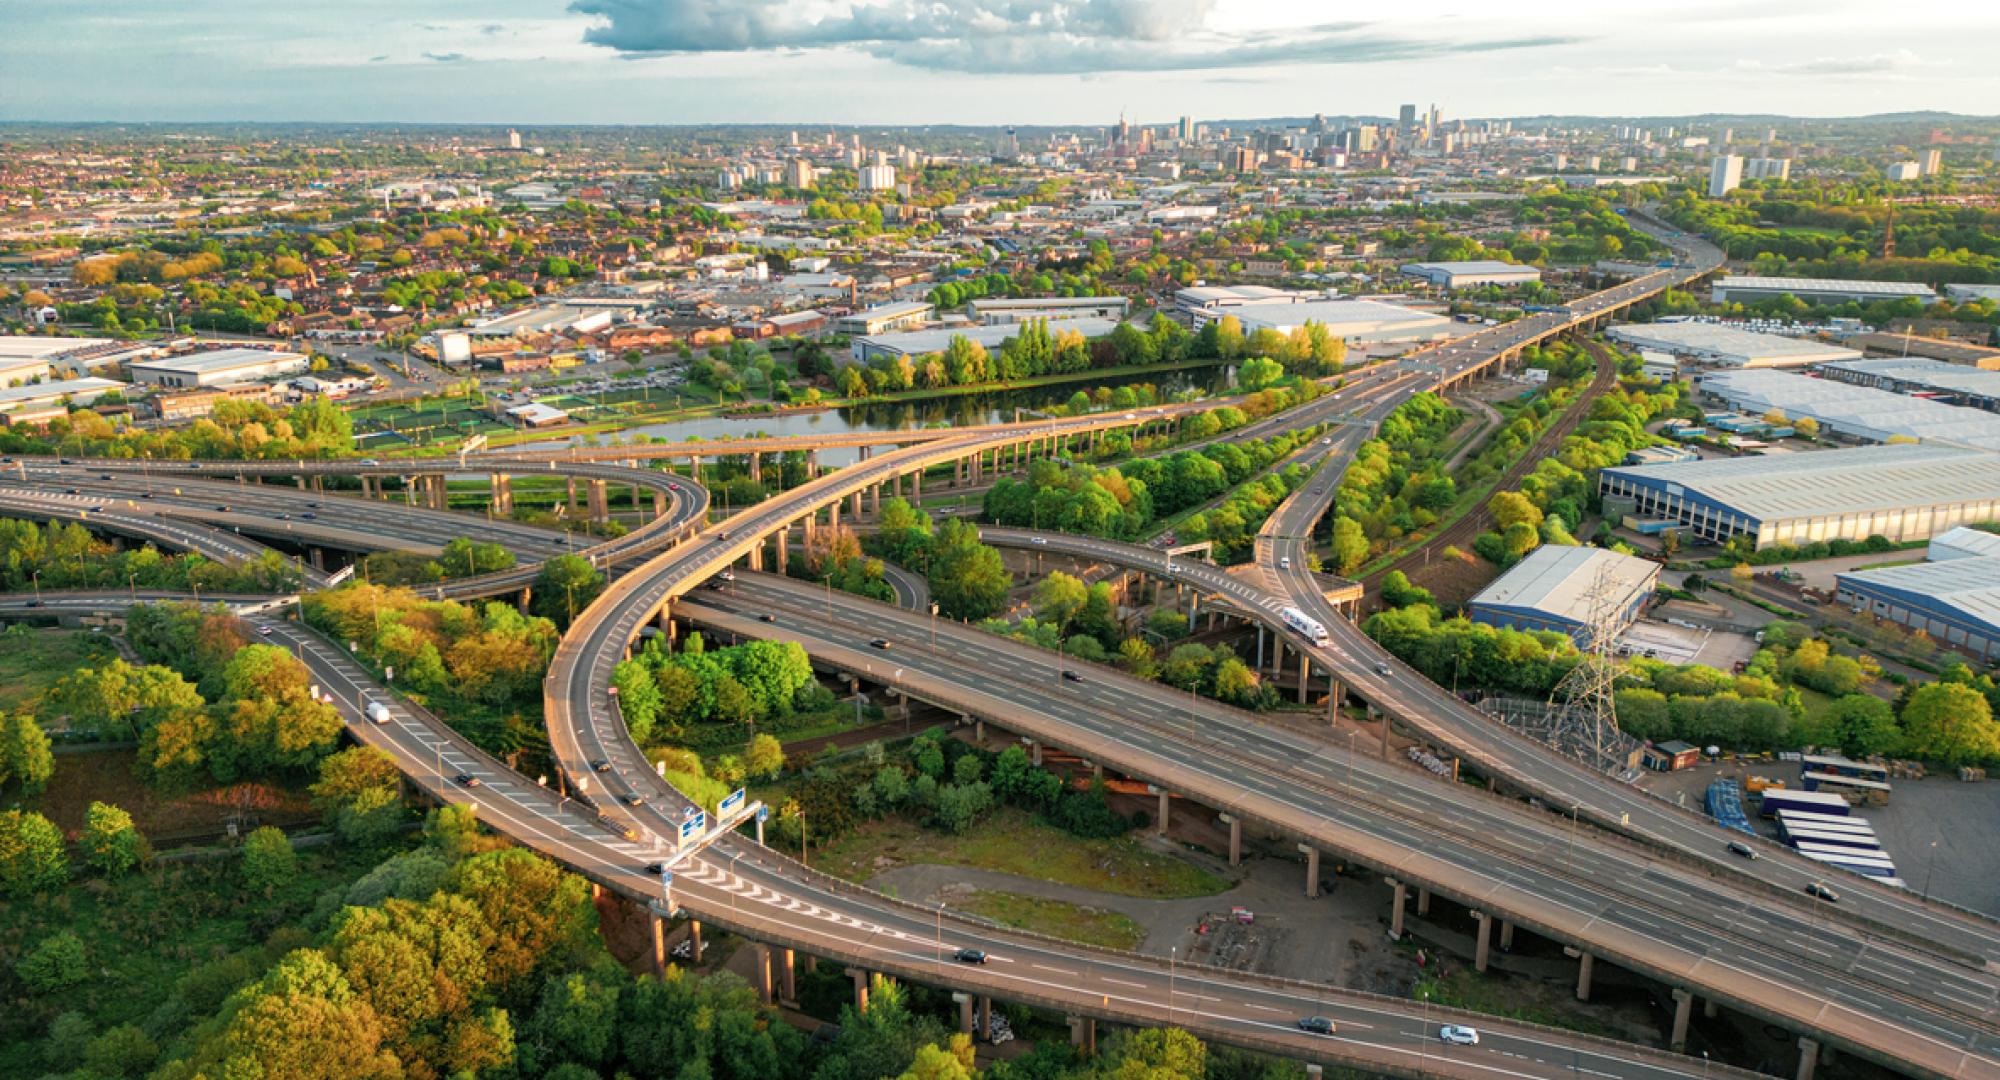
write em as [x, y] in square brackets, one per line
[1163, 812]
[503, 494]
[756, 468]
[1035, 752]
[658, 926]
[600, 503]
[1709, 1008]
[812, 464]
[917, 486]
[788, 977]
[812, 963]
[1312, 870]
[1485, 947]
[1083, 1033]
[1235, 838]
[875, 500]
[833, 515]
[761, 961]
[985, 1016]
[1305, 676]
[694, 936]
[860, 978]
[757, 556]
[965, 1006]
[1808, 1058]
[1423, 900]
[1506, 936]
[1584, 963]
[1683, 1007]
[301, 481]
[1259, 666]
[659, 504]
[979, 732]
[570, 484]
[1396, 909]
[782, 535]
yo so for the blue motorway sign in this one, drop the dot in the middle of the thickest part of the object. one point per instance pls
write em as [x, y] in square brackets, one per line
[692, 827]
[729, 804]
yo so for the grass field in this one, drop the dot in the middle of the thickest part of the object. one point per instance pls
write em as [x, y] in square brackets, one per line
[1056, 918]
[32, 660]
[1013, 842]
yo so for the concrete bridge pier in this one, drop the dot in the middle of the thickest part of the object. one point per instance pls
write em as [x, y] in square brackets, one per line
[860, 977]
[1161, 825]
[986, 1016]
[1035, 752]
[501, 494]
[1083, 1033]
[917, 486]
[1235, 837]
[1423, 900]
[1484, 950]
[1396, 909]
[1683, 1007]
[965, 1010]
[788, 978]
[694, 936]
[1305, 676]
[1506, 936]
[780, 552]
[1585, 965]
[756, 467]
[1808, 1057]
[760, 960]
[1312, 870]
[600, 503]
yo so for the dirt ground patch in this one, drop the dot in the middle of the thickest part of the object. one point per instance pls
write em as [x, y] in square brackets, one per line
[1454, 581]
[86, 776]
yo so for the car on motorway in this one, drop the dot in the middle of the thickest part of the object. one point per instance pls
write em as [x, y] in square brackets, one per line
[880, 643]
[104, 476]
[714, 586]
[370, 462]
[632, 798]
[1284, 562]
[1738, 847]
[969, 956]
[309, 516]
[1316, 1025]
[313, 505]
[1038, 540]
[600, 765]
[466, 779]
[654, 868]
[71, 491]
[224, 507]
[1071, 676]
[1818, 891]
[767, 617]
[1459, 1035]
[727, 575]
[1381, 669]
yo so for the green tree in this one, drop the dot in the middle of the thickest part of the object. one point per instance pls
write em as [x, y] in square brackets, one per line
[639, 699]
[1058, 598]
[32, 855]
[359, 793]
[269, 863]
[25, 756]
[1950, 723]
[566, 585]
[1864, 724]
[1159, 1054]
[967, 578]
[1258, 373]
[111, 843]
[765, 758]
[56, 963]
[1511, 507]
[1350, 545]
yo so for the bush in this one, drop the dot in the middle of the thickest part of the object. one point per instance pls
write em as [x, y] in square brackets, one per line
[56, 963]
[269, 862]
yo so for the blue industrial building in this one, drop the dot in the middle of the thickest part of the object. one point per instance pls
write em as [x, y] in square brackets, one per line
[1955, 602]
[1552, 589]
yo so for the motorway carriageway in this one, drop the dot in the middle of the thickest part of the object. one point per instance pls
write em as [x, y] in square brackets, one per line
[1489, 852]
[739, 885]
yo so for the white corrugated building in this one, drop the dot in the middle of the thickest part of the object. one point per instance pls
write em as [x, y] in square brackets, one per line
[1726, 346]
[1557, 588]
[1852, 412]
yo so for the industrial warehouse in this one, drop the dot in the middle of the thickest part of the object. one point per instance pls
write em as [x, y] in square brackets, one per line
[1854, 413]
[1568, 590]
[1748, 289]
[1903, 492]
[1955, 601]
[1723, 346]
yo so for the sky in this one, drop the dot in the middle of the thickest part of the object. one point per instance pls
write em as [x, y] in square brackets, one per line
[527, 62]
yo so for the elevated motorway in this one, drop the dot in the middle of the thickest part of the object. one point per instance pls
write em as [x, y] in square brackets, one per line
[106, 516]
[1762, 952]
[779, 904]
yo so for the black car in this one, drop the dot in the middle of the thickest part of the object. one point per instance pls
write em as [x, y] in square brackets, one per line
[632, 798]
[1820, 891]
[64, 461]
[313, 505]
[309, 516]
[969, 956]
[466, 779]
[1318, 1025]
[714, 586]
[656, 868]
[1738, 847]
[224, 507]
[600, 765]
[767, 617]
[71, 491]
[1071, 676]
[880, 643]
[104, 476]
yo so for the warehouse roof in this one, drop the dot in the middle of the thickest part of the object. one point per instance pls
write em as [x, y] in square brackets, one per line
[1342, 318]
[1728, 344]
[1971, 586]
[1558, 581]
[923, 342]
[1470, 267]
[1858, 411]
[1929, 374]
[1827, 285]
[219, 360]
[83, 390]
[1832, 482]
[1962, 542]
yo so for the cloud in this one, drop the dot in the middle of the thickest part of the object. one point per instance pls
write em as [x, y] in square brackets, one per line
[1875, 64]
[378, 58]
[444, 57]
[1076, 37]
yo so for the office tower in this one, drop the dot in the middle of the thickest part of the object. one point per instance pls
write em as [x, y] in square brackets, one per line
[1406, 118]
[1187, 129]
[1933, 161]
[1725, 175]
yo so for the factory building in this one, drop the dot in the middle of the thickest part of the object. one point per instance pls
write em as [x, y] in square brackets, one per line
[925, 342]
[1857, 413]
[1725, 346]
[1002, 312]
[1962, 543]
[215, 368]
[1952, 384]
[1567, 590]
[1472, 274]
[1903, 492]
[1205, 303]
[77, 391]
[1749, 289]
[1955, 602]
[883, 318]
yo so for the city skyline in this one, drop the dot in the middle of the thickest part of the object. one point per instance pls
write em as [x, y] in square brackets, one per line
[706, 61]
